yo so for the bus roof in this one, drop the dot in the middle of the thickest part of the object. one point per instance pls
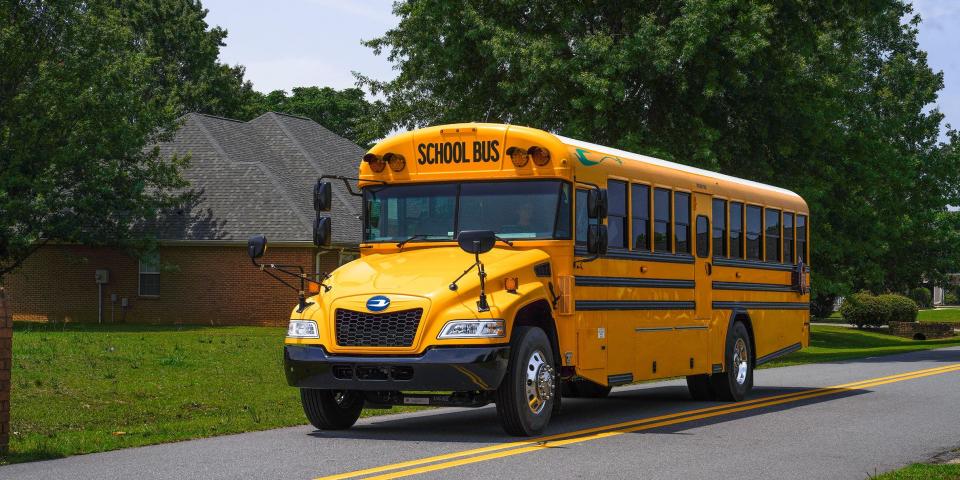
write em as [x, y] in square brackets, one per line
[676, 166]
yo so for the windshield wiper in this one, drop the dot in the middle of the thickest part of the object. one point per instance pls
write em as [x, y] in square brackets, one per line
[401, 243]
[504, 240]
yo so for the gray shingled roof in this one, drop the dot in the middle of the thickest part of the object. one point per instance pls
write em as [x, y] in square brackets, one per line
[257, 177]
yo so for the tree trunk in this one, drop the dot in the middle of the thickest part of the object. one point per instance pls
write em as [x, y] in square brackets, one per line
[6, 354]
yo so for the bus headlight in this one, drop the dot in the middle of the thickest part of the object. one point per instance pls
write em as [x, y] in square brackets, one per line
[303, 329]
[473, 329]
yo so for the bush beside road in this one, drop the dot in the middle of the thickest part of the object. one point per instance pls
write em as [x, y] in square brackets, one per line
[88, 388]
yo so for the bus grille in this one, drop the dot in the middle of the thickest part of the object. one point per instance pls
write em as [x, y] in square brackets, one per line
[392, 329]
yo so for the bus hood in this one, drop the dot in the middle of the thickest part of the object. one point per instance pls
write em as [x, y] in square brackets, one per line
[428, 272]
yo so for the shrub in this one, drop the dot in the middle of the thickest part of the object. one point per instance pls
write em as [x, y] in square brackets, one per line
[864, 309]
[950, 298]
[922, 296]
[899, 308]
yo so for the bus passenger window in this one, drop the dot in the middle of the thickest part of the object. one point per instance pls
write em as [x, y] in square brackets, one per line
[719, 228]
[617, 214]
[582, 219]
[661, 220]
[562, 225]
[772, 238]
[640, 210]
[754, 230]
[802, 238]
[788, 241]
[736, 230]
[681, 221]
[703, 236]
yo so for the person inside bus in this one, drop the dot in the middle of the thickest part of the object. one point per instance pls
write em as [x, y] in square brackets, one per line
[522, 221]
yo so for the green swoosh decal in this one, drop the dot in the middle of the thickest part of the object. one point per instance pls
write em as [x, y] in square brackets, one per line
[582, 157]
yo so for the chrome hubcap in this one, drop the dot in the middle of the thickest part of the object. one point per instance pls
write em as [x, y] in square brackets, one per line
[539, 382]
[740, 359]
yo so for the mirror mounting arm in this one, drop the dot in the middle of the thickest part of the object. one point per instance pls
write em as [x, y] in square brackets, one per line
[346, 182]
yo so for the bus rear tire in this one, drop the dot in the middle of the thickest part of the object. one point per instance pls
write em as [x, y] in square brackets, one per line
[733, 384]
[700, 388]
[331, 409]
[527, 394]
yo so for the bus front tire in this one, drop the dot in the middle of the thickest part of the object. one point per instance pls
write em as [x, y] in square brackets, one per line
[528, 392]
[331, 409]
[733, 384]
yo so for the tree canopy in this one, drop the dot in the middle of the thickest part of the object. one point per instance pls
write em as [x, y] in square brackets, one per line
[829, 99]
[85, 89]
[345, 112]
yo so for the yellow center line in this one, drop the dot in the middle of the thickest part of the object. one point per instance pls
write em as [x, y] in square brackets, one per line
[515, 448]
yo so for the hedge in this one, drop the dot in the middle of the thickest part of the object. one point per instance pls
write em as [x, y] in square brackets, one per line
[922, 296]
[865, 309]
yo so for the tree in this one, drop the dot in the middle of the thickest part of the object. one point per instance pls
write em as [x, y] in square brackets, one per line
[79, 103]
[829, 99]
[188, 76]
[345, 112]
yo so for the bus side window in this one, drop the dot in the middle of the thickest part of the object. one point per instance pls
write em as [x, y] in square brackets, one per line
[703, 236]
[719, 228]
[661, 220]
[617, 214]
[754, 231]
[681, 221]
[772, 238]
[736, 230]
[582, 219]
[788, 241]
[640, 200]
[802, 238]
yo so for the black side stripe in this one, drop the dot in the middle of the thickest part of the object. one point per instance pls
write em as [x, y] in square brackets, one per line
[619, 379]
[779, 353]
[635, 255]
[588, 305]
[753, 287]
[761, 305]
[587, 281]
[738, 262]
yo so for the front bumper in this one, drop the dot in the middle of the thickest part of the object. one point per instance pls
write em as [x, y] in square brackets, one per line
[457, 369]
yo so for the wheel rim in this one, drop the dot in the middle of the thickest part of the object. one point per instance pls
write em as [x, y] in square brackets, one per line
[740, 359]
[539, 383]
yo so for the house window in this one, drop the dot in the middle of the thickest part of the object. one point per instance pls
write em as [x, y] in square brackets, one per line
[150, 275]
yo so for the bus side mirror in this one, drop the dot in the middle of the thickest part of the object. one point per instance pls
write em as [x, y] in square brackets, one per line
[476, 241]
[322, 196]
[256, 245]
[597, 203]
[322, 231]
[597, 239]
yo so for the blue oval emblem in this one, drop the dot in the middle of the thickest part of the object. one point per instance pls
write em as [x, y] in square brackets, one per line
[378, 303]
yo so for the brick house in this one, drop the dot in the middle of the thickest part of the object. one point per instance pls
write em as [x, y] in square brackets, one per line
[246, 178]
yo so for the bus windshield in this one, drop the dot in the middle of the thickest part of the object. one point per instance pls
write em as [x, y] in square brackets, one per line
[515, 210]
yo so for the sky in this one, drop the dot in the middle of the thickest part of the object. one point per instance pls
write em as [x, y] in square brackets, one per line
[291, 43]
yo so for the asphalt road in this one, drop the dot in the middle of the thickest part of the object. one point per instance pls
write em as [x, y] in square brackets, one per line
[899, 412]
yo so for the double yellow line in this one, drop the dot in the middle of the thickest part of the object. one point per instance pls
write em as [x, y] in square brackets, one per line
[450, 460]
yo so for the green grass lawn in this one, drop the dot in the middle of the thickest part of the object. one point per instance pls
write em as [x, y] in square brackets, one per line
[89, 388]
[939, 315]
[830, 343]
[921, 471]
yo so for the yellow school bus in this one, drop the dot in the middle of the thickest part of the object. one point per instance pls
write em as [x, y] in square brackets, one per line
[508, 265]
